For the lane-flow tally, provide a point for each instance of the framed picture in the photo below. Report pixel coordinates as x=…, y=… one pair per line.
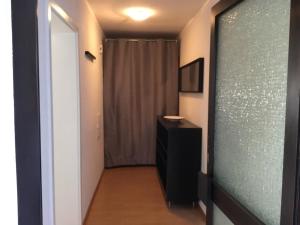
x=191, y=77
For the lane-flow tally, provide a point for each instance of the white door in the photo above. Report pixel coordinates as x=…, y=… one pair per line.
x=66, y=121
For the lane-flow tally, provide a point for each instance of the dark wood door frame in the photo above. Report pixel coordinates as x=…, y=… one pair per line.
x=290, y=202
x=290, y=209
x=27, y=111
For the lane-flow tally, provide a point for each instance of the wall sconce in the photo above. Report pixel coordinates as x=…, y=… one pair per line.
x=90, y=56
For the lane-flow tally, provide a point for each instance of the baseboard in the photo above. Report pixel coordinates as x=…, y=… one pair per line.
x=203, y=187
x=93, y=199
x=202, y=207
x=137, y=165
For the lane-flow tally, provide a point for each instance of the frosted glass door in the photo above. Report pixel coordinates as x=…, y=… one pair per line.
x=250, y=106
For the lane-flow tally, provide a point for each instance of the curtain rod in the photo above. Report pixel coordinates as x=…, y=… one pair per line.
x=136, y=40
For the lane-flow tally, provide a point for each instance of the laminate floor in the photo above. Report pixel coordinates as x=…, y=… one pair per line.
x=133, y=196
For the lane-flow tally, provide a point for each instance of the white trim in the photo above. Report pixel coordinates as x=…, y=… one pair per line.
x=63, y=16
x=45, y=7
x=70, y=23
x=46, y=113
x=55, y=8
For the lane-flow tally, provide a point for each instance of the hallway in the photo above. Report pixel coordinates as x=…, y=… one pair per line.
x=132, y=196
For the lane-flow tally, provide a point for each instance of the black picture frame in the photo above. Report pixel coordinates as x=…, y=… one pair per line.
x=290, y=213
x=201, y=76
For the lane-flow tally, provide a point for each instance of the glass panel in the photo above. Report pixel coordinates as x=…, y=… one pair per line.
x=251, y=91
x=220, y=218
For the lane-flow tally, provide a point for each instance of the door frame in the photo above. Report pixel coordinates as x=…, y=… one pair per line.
x=68, y=21
x=27, y=111
x=290, y=190
x=237, y=213
x=45, y=80
x=33, y=116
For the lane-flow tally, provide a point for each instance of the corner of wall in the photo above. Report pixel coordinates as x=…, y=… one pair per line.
x=195, y=43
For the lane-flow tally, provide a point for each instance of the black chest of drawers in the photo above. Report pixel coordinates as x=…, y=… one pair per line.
x=178, y=159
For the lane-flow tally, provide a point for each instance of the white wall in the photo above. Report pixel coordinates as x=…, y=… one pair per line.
x=92, y=156
x=8, y=194
x=195, y=43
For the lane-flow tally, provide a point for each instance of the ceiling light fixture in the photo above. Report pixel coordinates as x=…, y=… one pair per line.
x=139, y=13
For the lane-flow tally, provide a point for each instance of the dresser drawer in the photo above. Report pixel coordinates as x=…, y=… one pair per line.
x=162, y=169
x=161, y=149
x=162, y=135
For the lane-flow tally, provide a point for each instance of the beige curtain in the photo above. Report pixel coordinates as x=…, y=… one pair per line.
x=140, y=83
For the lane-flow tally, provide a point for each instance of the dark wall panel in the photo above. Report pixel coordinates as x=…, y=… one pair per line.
x=27, y=120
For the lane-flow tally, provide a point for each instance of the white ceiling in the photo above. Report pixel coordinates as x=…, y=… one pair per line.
x=171, y=16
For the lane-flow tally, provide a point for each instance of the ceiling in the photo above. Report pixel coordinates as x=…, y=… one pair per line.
x=170, y=18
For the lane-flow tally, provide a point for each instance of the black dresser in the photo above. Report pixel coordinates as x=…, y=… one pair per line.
x=178, y=159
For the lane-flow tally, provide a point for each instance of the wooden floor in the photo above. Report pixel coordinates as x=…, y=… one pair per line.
x=132, y=196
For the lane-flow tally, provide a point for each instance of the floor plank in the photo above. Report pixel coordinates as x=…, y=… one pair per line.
x=132, y=196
